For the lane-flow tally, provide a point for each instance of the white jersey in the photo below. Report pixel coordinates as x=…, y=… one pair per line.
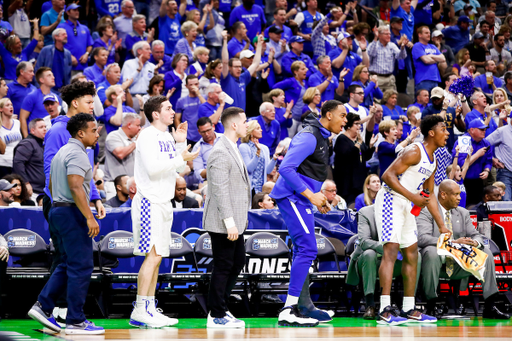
x=361, y=111
x=414, y=177
x=157, y=161
x=11, y=138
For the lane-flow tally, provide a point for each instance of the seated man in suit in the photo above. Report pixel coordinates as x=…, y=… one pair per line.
x=180, y=196
x=366, y=258
x=434, y=266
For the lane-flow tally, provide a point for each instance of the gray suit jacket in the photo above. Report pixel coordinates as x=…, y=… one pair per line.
x=368, y=240
x=428, y=231
x=229, y=189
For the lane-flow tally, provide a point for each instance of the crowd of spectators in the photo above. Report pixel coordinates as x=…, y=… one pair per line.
x=391, y=63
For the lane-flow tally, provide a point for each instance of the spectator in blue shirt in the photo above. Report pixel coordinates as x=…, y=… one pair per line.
x=32, y=106
x=240, y=40
x=208, y=139
x=79, y=37
x=187, y=108
x=123, y=22
x=21, y=87
x=169, y=24
x=108, y=40
x=271, y=129
x=57, y=58
x=481, y=161
x=51, y=19
x=113, y=77
x=479, y=102
x=12, y=53
x=108, y=7
x=187, y=45
x=405, y=9
x=138, y=34
x=161, y=61
x=369, y=84
x=343, y=58
x=213, y=107
x=113, y=115
x=392, y=111
x=457, y=36
x=283, y=112
x=96, y=73
x=305, y=20
x=423, y=13
x=325, y=81
x=174, y=78
x=233, y=80
x=296, y=54
x=488, y=84
x=280, y=21
x=386, y=149
x=426, y=59
x=251, y=15
x=422, y=99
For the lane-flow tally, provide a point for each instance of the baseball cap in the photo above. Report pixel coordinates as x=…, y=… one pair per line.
x=396, y=19
x=255, y=40
x=436, y=33
x=477, y=123
x=72, y=6
x=468, y=6
x=344, y=35
x=50, y=98
x=5, y=185
x=246, y=54
x=296, y=39
x=275, y=29
x=463, y=18
x=478, y=35
x=437, y=92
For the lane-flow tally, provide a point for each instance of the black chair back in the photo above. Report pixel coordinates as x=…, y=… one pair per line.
x=117, y=244
x=266, y=245
x=180, y=246
x=351, y=245
x=23, y=242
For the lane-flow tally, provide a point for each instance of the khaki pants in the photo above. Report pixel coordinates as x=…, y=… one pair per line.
x=386, y=83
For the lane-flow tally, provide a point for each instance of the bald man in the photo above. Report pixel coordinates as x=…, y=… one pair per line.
x=180, y=196
x=434, y=266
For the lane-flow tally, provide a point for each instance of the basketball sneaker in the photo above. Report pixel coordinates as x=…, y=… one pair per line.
x=223, y=322
x=46, y=319
x=415, y=315
x=322, y=316
x=389, y=317
x=240, y=322
x=158, y=313
x=142, y=318
x=290, y=316
x=84, y=328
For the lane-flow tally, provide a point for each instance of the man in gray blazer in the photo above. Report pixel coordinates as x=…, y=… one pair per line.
x=366, y=258
x=227, y=203
x=434, y=266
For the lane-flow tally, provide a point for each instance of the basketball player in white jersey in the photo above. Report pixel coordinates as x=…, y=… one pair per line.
x=411, y=172
x=158, y=158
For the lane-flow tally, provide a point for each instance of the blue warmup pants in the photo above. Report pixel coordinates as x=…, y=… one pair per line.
x=74, y=272
x=301, y=226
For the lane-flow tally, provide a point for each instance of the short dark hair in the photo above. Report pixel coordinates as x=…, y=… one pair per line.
x=33, y=123
x=22, y=66
x=79, y=122
x=202, y=121
x=117, y=180
x=97, y=51
x=177, y=58
x=353, y=87
x=77, y=90
x=189, y=77
x=497, y=36
x=488, y=190
x=40, y=71
x=508, y=76
x=447, y=76
x=351, y=119
x=484, y=22
x=329, y=106
x=428, y=123
x=229, y=114
x=153, y=104
x=420, y=90
x=103, y=27
x=279, y=9
x=236, y=26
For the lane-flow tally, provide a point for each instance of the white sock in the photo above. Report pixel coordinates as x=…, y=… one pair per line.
x=291, y=300
x=141, y=301
x=385, y=300
x=408, y=303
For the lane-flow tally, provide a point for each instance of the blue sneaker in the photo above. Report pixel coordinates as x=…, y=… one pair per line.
x=318, y=314
x=46, y=319
x=84, y=328
x=389, y=317
x=415, y=315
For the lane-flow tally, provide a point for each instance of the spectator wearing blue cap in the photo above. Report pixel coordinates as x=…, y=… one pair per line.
x=57, y=58
x=251, y=15
x=428, y=61
x=12, y=53
x=79, y=37
x=240, y=40
x=457, y=36
x=296, y=54
x=51, y=19
x=169, y=23
x=96, y=72
x=480, y=161
x=279, y=23
x=51, y=104
x=487, y=82
x=343, y=58
x=22, y=86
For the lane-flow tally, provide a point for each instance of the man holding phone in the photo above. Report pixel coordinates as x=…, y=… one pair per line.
x=480, y=162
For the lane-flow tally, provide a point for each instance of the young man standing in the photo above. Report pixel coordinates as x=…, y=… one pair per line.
x=303, y=171
x=158, y=158
x=412, y=171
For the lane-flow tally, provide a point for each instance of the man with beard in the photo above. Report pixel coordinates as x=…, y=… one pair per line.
x=500, y=56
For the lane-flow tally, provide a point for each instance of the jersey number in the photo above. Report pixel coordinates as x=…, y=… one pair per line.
x=113, y=8
x=421, y=183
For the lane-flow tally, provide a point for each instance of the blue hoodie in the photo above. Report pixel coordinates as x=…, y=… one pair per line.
x=54, y=139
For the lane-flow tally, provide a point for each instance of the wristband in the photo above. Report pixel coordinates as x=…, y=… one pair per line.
x=363, y=50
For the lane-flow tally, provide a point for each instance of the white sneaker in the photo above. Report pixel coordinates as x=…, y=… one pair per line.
x=330, y=312
x=223, y=322
x=239, y=322
x=157, y=312
x=141, y=318
x=291, y=317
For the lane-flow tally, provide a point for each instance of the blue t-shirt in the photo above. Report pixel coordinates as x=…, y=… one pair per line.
x=207, y=110
x=48, y=18
x=351, y=61
x=463, y=193
x=169, y=32
x=270, y=134
x=225, y=5
x=109, y=113
x=425, y=72
x=235, y=46
x=77, y=43
x=236, y=88
x=286, y=35
x=254, y=19
x=424, y=16
x=33, y=103
x=112, y=56
x=17, y=93
x=386, y=154
x=94, y=74
x=108, y=7
x=188, y=108
x=330, y=91
x=360, y=202
x=285, y=123
x=58, y=68
x=408, y=23
x=392, y=114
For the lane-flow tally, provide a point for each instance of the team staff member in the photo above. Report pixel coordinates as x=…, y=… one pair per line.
x=303, y=171
x=74, y=226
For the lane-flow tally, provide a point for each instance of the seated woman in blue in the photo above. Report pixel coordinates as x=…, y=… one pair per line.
x=361, y=77
x=294, y=89
x=175, y=79
x=311, y=101
x=201, y=56
x=391, y=110
x=370, y=189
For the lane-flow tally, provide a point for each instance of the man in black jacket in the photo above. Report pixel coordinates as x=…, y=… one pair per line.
x=180, y=196
x=28, y=156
